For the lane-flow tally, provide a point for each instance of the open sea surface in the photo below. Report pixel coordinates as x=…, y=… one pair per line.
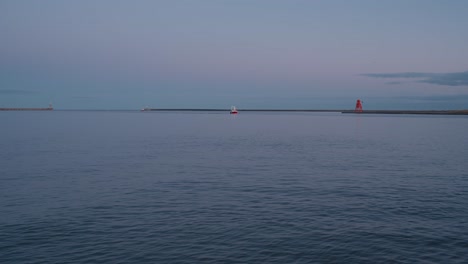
x=155, y=187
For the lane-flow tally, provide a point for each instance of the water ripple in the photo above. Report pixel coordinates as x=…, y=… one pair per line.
x=202, y=188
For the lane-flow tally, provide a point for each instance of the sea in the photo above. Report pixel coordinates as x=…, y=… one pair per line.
x=209, y=187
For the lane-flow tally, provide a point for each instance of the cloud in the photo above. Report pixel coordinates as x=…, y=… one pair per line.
x=449, y=79
x=84, y=97
x=12, y=91
x=399, y=75
x=455, y=97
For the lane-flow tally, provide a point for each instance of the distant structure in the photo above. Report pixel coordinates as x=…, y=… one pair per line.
x=50, y=108
x=358, y=108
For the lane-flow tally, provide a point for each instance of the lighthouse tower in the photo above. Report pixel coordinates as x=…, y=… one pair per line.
x=358, y=108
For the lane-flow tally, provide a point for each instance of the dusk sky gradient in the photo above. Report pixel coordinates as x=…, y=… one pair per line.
x=113, y=54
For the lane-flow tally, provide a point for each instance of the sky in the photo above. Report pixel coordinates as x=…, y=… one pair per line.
x=115, y=54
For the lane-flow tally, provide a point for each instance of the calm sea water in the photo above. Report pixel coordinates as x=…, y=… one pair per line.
x=133, y=187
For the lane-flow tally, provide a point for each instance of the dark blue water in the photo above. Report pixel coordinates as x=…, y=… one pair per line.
x=131, y=187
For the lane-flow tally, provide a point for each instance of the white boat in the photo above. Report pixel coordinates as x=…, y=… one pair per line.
x=233, y=110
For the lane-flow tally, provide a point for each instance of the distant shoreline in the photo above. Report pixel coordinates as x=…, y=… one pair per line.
x=25, y=109
x=343, y=111
x=243, y=110
x=411, y=112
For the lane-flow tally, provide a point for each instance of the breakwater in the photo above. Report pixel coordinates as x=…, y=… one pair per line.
x=26, y=109
x=409, y=112
x=394, y=112
x=243, y=110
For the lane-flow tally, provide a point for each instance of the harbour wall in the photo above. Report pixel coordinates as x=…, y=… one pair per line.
x=394, y=112
x=26, y=109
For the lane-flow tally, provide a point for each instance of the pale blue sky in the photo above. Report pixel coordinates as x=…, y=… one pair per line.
x=114, y=54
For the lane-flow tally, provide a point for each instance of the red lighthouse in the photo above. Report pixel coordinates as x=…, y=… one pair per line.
x=358, y=108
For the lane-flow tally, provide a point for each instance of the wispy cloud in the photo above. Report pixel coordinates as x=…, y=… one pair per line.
x=449, y=79
x=14, y=91
x=393, y=83
x=84, y=97
x=455, y=97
